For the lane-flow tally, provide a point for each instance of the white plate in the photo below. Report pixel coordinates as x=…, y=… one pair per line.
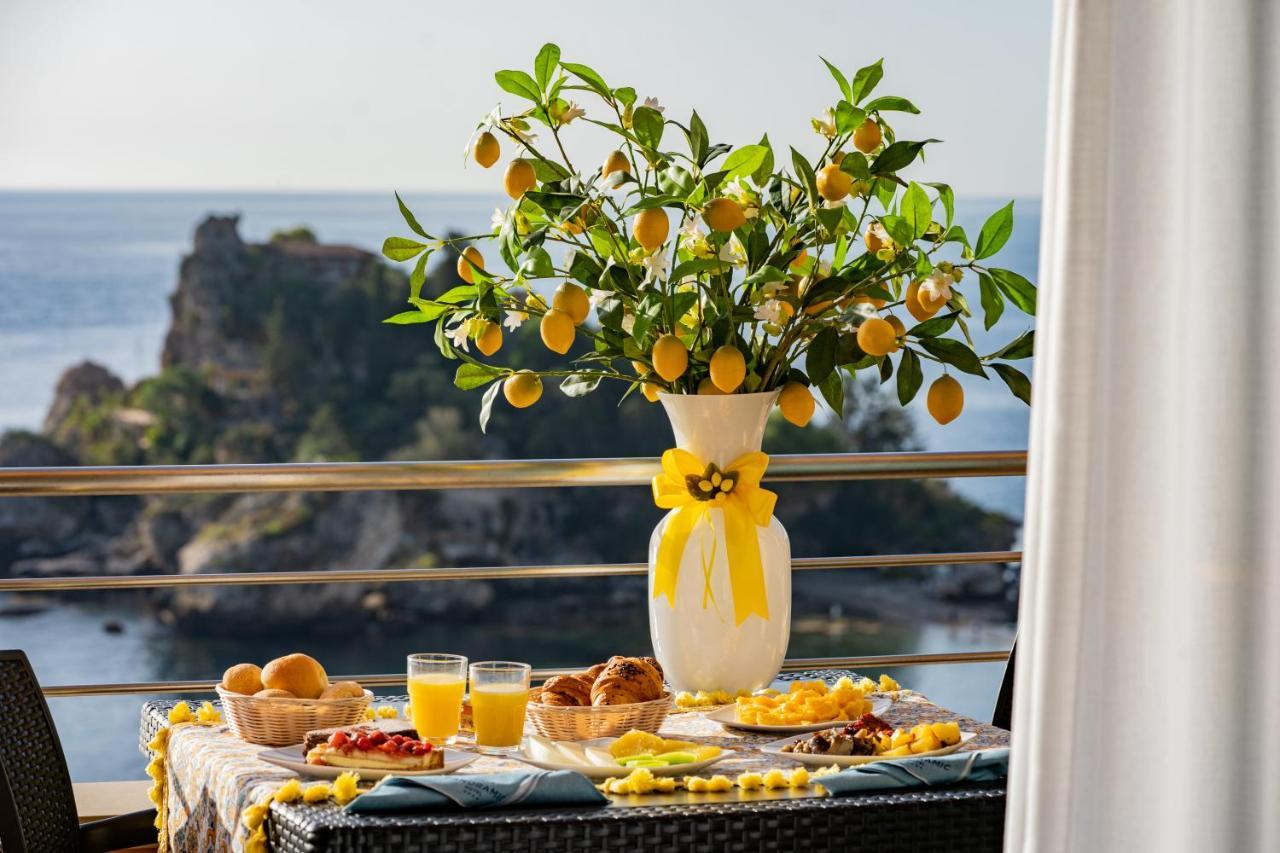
x=775, y=748
x=728, y=717
x=603, y=771
x=291, y=757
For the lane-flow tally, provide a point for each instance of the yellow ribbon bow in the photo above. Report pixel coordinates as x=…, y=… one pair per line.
x=693, y=489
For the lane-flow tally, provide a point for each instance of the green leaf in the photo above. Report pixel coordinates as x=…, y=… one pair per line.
x=472, y=375
x=805, y=172
x=458, y=295
x=841, y=80
x=848, y=117
x=580, y=385
x=821, y=358
x=992, y=301
x=954, y=353
x=1018, y=290
x=909, y=376
x=744, y=161
x=625, y=94
x=588, y=76
x=1017, y=381
x=832, y=389
x=899, y=229
x=1020, y=347
x=948, y=199
x=537, y=264
x=865, y=80
x=675, y=181
x=519, y=83
x=410, y=220
x=401, y=248
x=418, y=276
x=698, y=139
x=545, y=64
x=891, y=103
x=407, y=318
x=430, y=308
x=933, y=327
x=647, y=124
x=917, y=210
x=897, y=156
x=995, y=232
x=486, y=404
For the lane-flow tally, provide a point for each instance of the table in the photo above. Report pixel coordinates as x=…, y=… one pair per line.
x=213, y=776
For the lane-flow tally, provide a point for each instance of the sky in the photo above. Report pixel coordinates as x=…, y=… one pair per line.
x=321, y=95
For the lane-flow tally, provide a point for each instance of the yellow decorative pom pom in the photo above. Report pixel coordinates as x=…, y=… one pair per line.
x=719, y=784
x=155, y=793
x=180, y=713
x=684, y=699
x=160, y=742
x=254, y=815
x=317, y=793
x=345, y=787
x=775, y=778
x=619, y=786
x=368, y=713
x=155, y=768
x=640, y=781
x=207, y=715
x=696, y=784
x=665, y=784
x=387, y=712
x=829, y=770
x=257, y=843
x=750, y=781
x=799, y=778
x=288, y=792
x=888, y=685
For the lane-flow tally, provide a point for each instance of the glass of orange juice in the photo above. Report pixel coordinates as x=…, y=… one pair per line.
x=436, y=685
x=499, y=694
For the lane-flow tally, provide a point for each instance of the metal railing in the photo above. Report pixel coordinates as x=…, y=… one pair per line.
x=487, y=474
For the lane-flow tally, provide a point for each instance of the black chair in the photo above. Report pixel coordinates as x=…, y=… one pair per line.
x=37, y=806
x=1003, y=715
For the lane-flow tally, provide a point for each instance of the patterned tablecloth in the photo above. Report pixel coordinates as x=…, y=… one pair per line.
x=213, y=776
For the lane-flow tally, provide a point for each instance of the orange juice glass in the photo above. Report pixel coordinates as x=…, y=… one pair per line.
x=436, y=685
x=499, y=694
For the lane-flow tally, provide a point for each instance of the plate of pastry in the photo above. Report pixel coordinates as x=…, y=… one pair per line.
x=870, y=739
x=373, y=750
x=805, y=706
x=601, y=758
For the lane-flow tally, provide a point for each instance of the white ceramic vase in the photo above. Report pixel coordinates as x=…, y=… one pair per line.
x=696, y=640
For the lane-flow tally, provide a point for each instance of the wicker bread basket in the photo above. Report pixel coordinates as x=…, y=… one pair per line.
x=584, y=722
x=283, y=722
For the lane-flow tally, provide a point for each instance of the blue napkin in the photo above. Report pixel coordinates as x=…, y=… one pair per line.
x=979, y=766
x=490, y=791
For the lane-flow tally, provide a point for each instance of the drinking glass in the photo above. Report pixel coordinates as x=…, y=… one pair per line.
x=436, y=684
x=499, y=694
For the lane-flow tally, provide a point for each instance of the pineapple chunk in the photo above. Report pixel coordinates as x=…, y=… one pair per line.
x=925, y=743
x=636, y=742
x=704, y=753
x=901, y=750
x=947, y=733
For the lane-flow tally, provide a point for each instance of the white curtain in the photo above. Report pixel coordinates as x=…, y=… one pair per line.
x=1147, y=701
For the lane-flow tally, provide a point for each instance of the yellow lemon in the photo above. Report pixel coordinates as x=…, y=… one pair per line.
x=486, y=150
x=572, y=300
x=708, y=388
x=615, y=162
x=933, y=306
x=796, y=403
x=876, y=337
x=898, y=331
x=723, y=214
x=471, y=256
x=519, y=178
x=798, y=260
x=867, y=137
x=650, y=391
x=873, y=241
x=557, y=331
x=535, y=301
x=651, y=227
x=834, y=184
x=489, y=337
x=522, y=389
x=945, y=400
x=639, y=367
x=914, y=306
x=670, y=358
x=728, y=368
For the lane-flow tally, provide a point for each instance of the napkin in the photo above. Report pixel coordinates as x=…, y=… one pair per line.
x=489, y=791
x=978, y=766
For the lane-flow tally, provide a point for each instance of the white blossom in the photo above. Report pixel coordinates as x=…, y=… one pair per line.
x=628, y=322
x=460, y=334
x=657, y=266
x=514, y=319
x=937, y=286
x=826, y=125
x=498, y=219
x=571, y=112
x=595, y=297
x=652, y=103
x=770, y=311
x=733, y=252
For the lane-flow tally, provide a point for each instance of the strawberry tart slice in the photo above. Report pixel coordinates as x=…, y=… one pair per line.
x=375, y=750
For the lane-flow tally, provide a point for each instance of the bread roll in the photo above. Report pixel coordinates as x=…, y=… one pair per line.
x=301, y=675
x=243, y=678
x=343, y=690
x=272, y=693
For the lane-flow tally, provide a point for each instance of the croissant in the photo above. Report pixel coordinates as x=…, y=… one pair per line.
x=567, y=691
x=594, y=671
x=626, y=680
x=653, y=662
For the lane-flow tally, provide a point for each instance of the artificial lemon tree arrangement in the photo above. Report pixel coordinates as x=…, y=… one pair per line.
x=722, y=279
x=714, y=269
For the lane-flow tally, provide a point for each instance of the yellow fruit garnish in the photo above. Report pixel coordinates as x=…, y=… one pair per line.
x=557, y=331
x=650, y=228
x=522, y=389
x=670, y=358
x=728, y=368
x=724, y=215
x=468, y=261
x=486, y=150
x=945, y=399
x=519, y=178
